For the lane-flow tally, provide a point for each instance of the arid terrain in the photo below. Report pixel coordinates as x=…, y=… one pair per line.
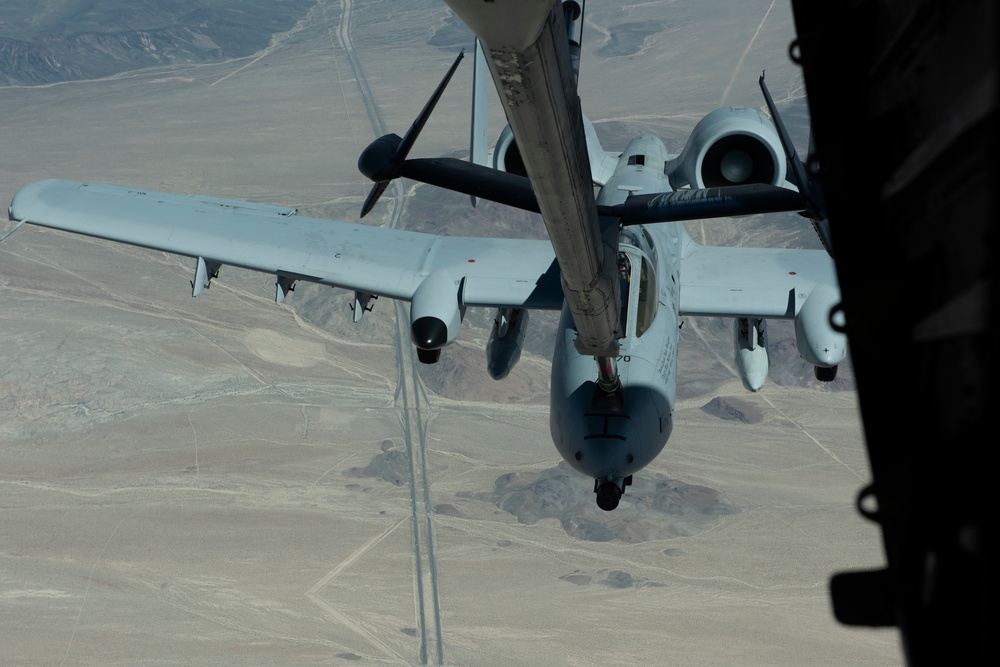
x=223, y=480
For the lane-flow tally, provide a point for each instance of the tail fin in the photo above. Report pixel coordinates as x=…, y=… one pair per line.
x=480, y=79
x=810, y=190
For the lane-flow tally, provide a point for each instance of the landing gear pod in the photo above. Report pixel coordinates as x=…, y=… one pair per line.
x=435, y=314
x=825, y=374
x=610, y=490
x=750, y=344
x=818, y=342
x=504, y=346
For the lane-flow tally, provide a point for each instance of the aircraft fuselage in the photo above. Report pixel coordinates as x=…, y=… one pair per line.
x=611, y=436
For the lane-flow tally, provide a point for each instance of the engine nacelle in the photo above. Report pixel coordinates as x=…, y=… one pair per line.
x=507, y=156
x=818, y=342
x=731, y=146
x=750, y=346
x=504, y=346
x=435, y=314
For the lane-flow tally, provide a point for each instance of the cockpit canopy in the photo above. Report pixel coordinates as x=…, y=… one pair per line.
x=637, y=285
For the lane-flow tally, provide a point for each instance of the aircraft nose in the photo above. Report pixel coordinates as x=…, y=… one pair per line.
x=597, y=455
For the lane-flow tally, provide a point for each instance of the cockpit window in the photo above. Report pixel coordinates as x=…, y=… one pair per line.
x=647, y=299
x=625, y=289
x=637, y=284
x=629, y=236
x=651, y=247
x=637, y=159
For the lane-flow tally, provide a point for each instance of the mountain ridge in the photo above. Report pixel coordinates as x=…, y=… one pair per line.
x=109, y=37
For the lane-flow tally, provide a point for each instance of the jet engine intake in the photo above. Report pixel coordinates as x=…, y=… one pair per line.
x=731, y=146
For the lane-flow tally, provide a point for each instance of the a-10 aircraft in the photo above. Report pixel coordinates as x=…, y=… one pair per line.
x=619, y=265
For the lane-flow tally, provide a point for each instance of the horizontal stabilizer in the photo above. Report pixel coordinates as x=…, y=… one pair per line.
x=726, y=201
x=474, y=180
x=513, y=190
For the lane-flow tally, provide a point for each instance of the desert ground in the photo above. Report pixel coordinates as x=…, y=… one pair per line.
x=223, y=480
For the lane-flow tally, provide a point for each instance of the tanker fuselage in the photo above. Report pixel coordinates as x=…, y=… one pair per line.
x=529, y=57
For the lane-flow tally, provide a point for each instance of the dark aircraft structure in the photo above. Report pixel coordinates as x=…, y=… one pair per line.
x=913, y=231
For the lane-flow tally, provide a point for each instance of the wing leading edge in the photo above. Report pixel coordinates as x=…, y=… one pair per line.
x=271, y=239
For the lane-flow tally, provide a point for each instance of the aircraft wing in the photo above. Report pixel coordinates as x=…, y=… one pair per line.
x=272, y=239
x=753, y=282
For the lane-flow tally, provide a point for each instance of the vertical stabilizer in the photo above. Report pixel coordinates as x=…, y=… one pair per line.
x=480, y=78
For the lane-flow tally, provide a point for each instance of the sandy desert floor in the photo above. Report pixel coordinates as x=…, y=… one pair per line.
x=222, y=480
